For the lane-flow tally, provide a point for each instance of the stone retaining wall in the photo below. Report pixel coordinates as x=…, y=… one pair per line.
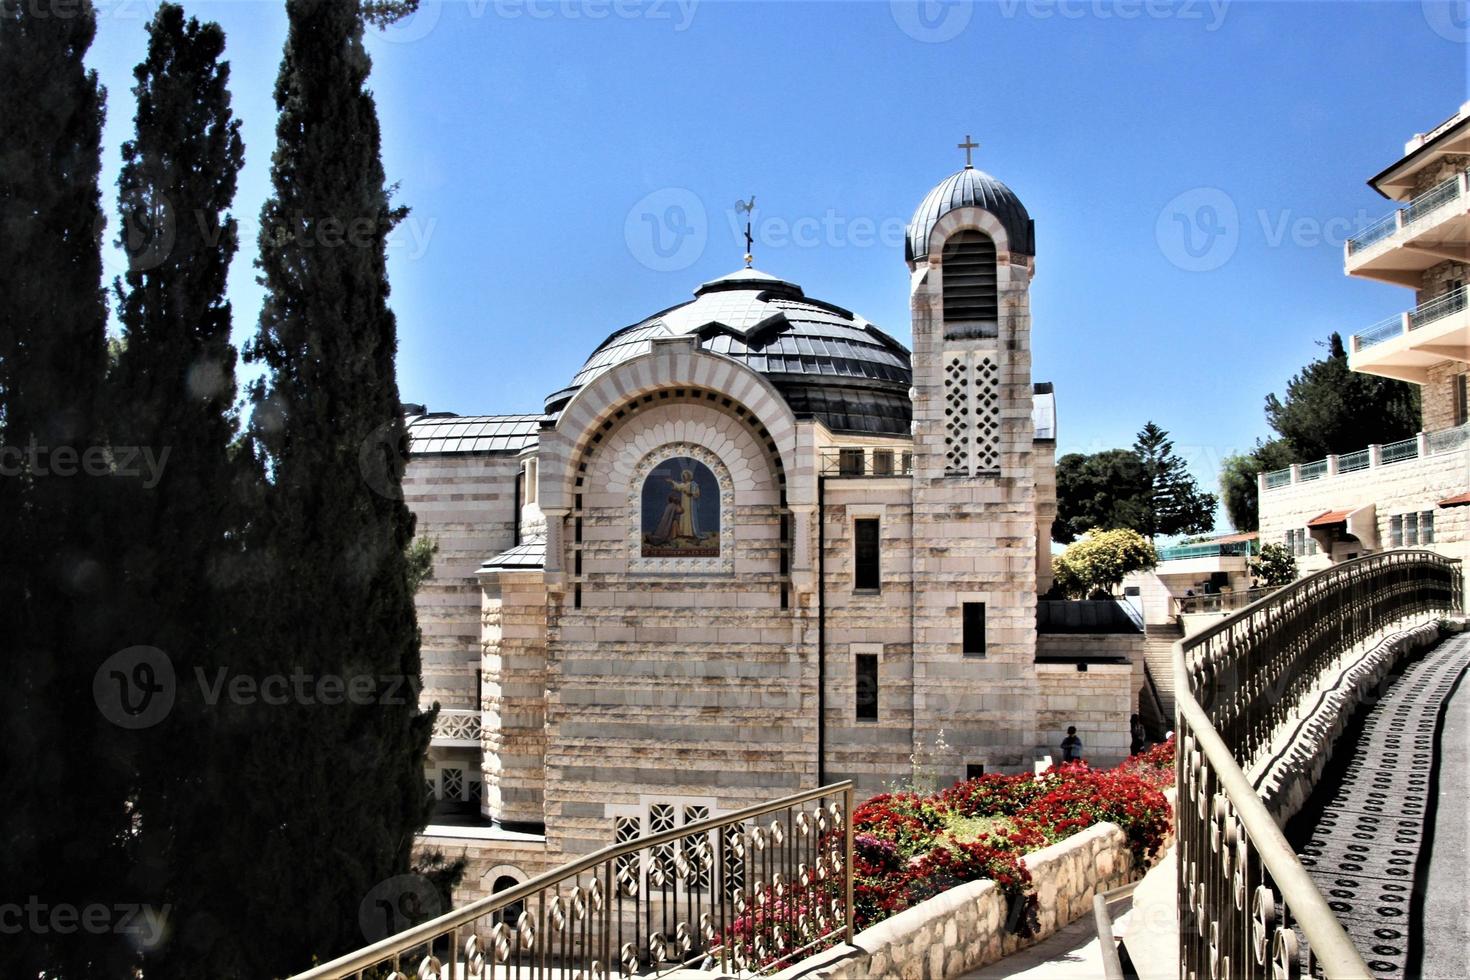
x=965, y=927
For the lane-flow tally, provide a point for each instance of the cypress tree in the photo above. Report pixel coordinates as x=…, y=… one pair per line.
x=1176, y=504
x=172, y=390
x=335, y=781
x=64, y=821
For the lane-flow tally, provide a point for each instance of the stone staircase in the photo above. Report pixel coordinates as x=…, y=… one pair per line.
x=1158, y=657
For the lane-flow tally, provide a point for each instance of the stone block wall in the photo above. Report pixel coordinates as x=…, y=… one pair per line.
x=466, y=503
x=514, y=696
x=1413, y=485
x=1098, y=701
x=966, y=927
x=1438, y=393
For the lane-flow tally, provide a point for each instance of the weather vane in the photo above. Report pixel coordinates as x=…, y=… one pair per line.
x=967, y=146
x=745, y=207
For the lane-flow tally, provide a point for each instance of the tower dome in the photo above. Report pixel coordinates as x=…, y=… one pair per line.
x=971, y=188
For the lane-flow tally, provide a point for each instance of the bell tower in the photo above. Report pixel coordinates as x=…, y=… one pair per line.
x=971, y=254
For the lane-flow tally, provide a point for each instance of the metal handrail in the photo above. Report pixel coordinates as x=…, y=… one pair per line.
x=1437, y=308
x=866, y=461
x=1421, y=206
x=829, y=873
x=1243, y=891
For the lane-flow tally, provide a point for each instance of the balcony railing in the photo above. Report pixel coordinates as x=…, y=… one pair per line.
x=741, y=893
x=1243, y=893
x=866, y=461
x=1206, y=549
x=1219, y=601
x=1424, y=444
x=1422, y=315
x=457, y=726
x=1419, y=208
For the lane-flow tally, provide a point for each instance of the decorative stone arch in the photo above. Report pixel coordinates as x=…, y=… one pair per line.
x=961, y=219
x=676, y=363
x=491, y=876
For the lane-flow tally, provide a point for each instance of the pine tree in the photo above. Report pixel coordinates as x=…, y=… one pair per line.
x=173, y=389
x=339, y=785
x=64, y=819
x=1176, y=505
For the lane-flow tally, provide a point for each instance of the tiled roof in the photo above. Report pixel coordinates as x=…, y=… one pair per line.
x=1459, y=500
x=429, y=434
x=527, y=555
x=1330, y=518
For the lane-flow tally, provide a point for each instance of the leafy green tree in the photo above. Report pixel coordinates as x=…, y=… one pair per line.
x=1274, y=566
x=334, y=532
x=1330, y=408
x=64, y=765
x=1100, y=560
x=1239, y=487
x=1099, y=490
x=172, y=388
x=1175, y=504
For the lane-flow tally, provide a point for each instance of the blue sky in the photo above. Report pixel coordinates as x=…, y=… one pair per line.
x=543, y=144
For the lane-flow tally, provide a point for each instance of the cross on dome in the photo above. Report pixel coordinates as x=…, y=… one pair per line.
x=967, y=146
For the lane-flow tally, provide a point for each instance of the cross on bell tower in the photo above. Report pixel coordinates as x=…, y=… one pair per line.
x=967, y=146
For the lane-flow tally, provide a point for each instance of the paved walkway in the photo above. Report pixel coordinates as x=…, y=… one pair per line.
x=1070, y=953
x=1392, y=797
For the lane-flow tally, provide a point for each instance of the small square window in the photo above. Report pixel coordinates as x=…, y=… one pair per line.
x=974, y=770
x=850, y=462
x=883, y=462
x=974, y=629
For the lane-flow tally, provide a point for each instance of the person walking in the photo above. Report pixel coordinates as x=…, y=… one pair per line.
x=1135, y=728
x=1071, y=746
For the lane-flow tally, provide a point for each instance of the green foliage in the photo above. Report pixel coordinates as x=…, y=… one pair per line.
x=1175, y=504
x=420, y=561
x=1239, y=486
x=1099, y=561
x=334, y=532
x=1330, y=408
x=1148, y=489
x=1274, y=566
x=66, y=767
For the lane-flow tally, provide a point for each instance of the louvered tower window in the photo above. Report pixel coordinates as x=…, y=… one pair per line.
x=970, y=281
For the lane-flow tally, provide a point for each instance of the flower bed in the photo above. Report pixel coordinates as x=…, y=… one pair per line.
x=909, y=847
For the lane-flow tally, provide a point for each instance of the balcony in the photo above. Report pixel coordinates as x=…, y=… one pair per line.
x=1423, y=446
x=1408, y=345
x=1431, y=228
x=872, y=462
x=457, y=728
x=1206, y=549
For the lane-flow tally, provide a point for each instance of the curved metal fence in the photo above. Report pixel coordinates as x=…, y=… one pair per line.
x=743, y=893
x=1243, y=894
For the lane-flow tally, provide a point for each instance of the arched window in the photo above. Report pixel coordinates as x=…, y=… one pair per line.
x=970, y=296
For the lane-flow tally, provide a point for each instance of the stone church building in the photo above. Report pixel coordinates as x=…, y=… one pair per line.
x=754, y=546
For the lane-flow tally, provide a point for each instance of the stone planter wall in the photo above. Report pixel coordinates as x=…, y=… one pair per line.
x=965, y=927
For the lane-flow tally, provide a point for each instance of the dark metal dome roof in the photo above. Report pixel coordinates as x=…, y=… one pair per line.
x=828, y=363
x=971, y=188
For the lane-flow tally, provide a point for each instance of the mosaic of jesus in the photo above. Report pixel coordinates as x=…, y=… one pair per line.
x=681, y=510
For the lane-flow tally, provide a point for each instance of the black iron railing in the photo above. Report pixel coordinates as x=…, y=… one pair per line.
x=743, y=893
x=1243, y=894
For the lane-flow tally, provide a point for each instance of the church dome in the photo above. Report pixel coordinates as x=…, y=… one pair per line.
x=971, y=188
x=827, y=362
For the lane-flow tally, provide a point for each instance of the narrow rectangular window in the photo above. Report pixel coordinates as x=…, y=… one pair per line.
x=866, y=688
x=908, y=463
x=867, y=555
x=1462, y=399
x=883, y=462
x=1396, y=531
x=1426, y=527
x=974, y=628
x=1411, y=530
